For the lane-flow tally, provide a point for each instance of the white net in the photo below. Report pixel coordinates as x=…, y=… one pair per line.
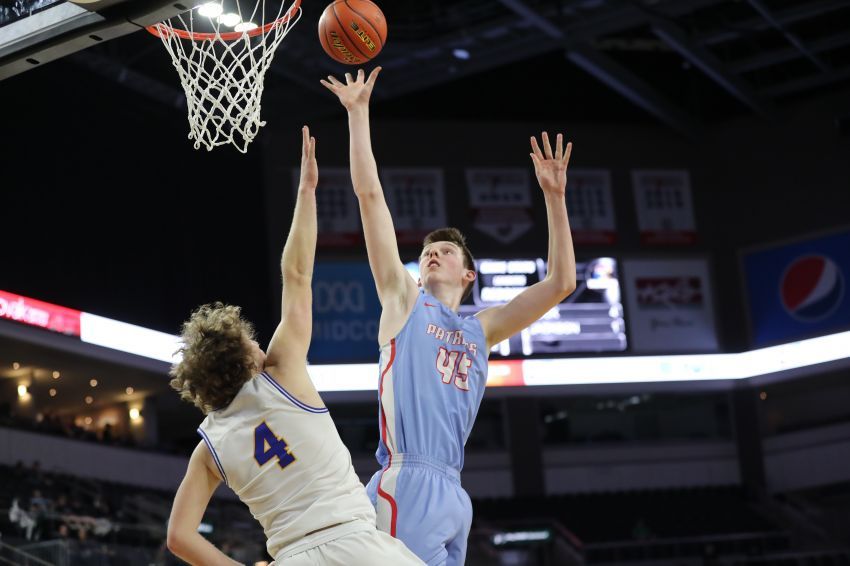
x=222, y=64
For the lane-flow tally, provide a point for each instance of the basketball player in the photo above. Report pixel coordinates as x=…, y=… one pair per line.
x=433, y=363
x=267, y=434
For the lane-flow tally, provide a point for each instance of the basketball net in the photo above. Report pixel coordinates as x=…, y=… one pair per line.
x=222, y=71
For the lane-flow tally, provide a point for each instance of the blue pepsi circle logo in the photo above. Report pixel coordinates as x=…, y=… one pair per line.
x=811, y=288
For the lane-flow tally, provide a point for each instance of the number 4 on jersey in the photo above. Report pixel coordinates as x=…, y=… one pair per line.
x=277, y=448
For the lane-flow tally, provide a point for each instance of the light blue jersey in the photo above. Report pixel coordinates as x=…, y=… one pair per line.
x=432, y=380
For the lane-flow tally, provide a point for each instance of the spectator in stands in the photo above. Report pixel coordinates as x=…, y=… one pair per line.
x=24, y=520
x=39, y=502
x=83, y=551
x=61, y=506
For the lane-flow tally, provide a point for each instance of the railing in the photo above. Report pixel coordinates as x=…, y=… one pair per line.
x=19, y=557
x=91, y=553
x=114, y=532
x=548, y=543
x=809, y=558
x=708, y=547
x=544, y=542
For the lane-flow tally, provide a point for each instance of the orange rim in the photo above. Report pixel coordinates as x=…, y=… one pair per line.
x=163, y=29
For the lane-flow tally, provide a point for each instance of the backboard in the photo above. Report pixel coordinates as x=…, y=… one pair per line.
x=35, y=32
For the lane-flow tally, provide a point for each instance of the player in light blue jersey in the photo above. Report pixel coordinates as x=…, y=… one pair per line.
x=433, y=364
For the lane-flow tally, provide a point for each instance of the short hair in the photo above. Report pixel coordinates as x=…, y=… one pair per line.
x=456, y=237
x=216, y=357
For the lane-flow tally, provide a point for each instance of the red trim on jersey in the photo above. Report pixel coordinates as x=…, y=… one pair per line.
x=381, y=492
x=381, y=395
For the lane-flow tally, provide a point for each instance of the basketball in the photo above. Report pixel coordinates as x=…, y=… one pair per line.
x=352, y=31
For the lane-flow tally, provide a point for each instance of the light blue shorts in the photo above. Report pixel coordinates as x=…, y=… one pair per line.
x=421, y=502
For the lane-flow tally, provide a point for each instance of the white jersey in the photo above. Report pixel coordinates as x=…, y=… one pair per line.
x=286, y=462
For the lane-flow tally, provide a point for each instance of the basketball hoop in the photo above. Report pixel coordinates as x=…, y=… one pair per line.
x=222, y=71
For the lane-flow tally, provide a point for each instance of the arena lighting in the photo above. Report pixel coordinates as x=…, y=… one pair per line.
x=205, y=528
x=135, y=414
x=210, y=9
x=128, y=338
x=534, y=372
x=620, y=369
x=245, y=26
x=521, y=536
x=230, y=19
x=22, y=391
x=461, y=54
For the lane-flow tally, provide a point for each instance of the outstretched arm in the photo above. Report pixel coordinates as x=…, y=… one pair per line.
x=188, y=509
x=287, y=352
x=504, y=321
x=396, y=288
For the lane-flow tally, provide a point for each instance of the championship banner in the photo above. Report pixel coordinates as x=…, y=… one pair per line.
x=500, y=201
x=799, y=289
x=590, y=205
x=670, y=305
x=416, y=200
x=337, y=208
x=346, y=312
x=665, y=210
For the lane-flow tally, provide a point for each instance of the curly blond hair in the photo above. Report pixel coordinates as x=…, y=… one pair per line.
x=216, y=357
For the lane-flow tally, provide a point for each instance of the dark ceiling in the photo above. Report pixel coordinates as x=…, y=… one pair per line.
x=683, y=63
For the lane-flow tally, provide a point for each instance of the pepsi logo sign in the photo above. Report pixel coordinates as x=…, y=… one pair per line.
x=811, y=288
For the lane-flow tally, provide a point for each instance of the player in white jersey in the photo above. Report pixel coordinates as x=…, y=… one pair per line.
x=267, y=434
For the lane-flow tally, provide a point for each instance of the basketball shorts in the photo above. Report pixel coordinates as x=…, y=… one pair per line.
x=421, y=502
x=353, y=544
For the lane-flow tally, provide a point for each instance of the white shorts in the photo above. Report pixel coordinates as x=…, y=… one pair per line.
x=364, y=545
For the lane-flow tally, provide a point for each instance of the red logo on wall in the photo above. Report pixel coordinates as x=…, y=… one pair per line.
x=40, y=314
x=658, y=292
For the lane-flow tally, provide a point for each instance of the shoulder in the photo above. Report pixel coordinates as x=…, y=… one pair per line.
x=395, y=314
x=294, y=385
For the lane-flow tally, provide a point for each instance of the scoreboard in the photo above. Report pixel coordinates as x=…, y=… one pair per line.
x=589, y=320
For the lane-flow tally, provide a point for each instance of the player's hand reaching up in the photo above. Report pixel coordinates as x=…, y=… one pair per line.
x=551, y=169
x=309, y=167
x=356, y=91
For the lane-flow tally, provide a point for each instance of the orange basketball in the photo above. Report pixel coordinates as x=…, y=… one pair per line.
x=352, y=31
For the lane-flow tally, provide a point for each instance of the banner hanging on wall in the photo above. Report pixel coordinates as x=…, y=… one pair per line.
x=337, y=209
x=500, y=202
x=665, y=210
x=590, y=205
x=671, y=308
x=416, y=199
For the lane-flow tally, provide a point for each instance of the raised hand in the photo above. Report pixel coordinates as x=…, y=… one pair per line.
x=309, y=167
x=356, y=91
x=551, y=169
